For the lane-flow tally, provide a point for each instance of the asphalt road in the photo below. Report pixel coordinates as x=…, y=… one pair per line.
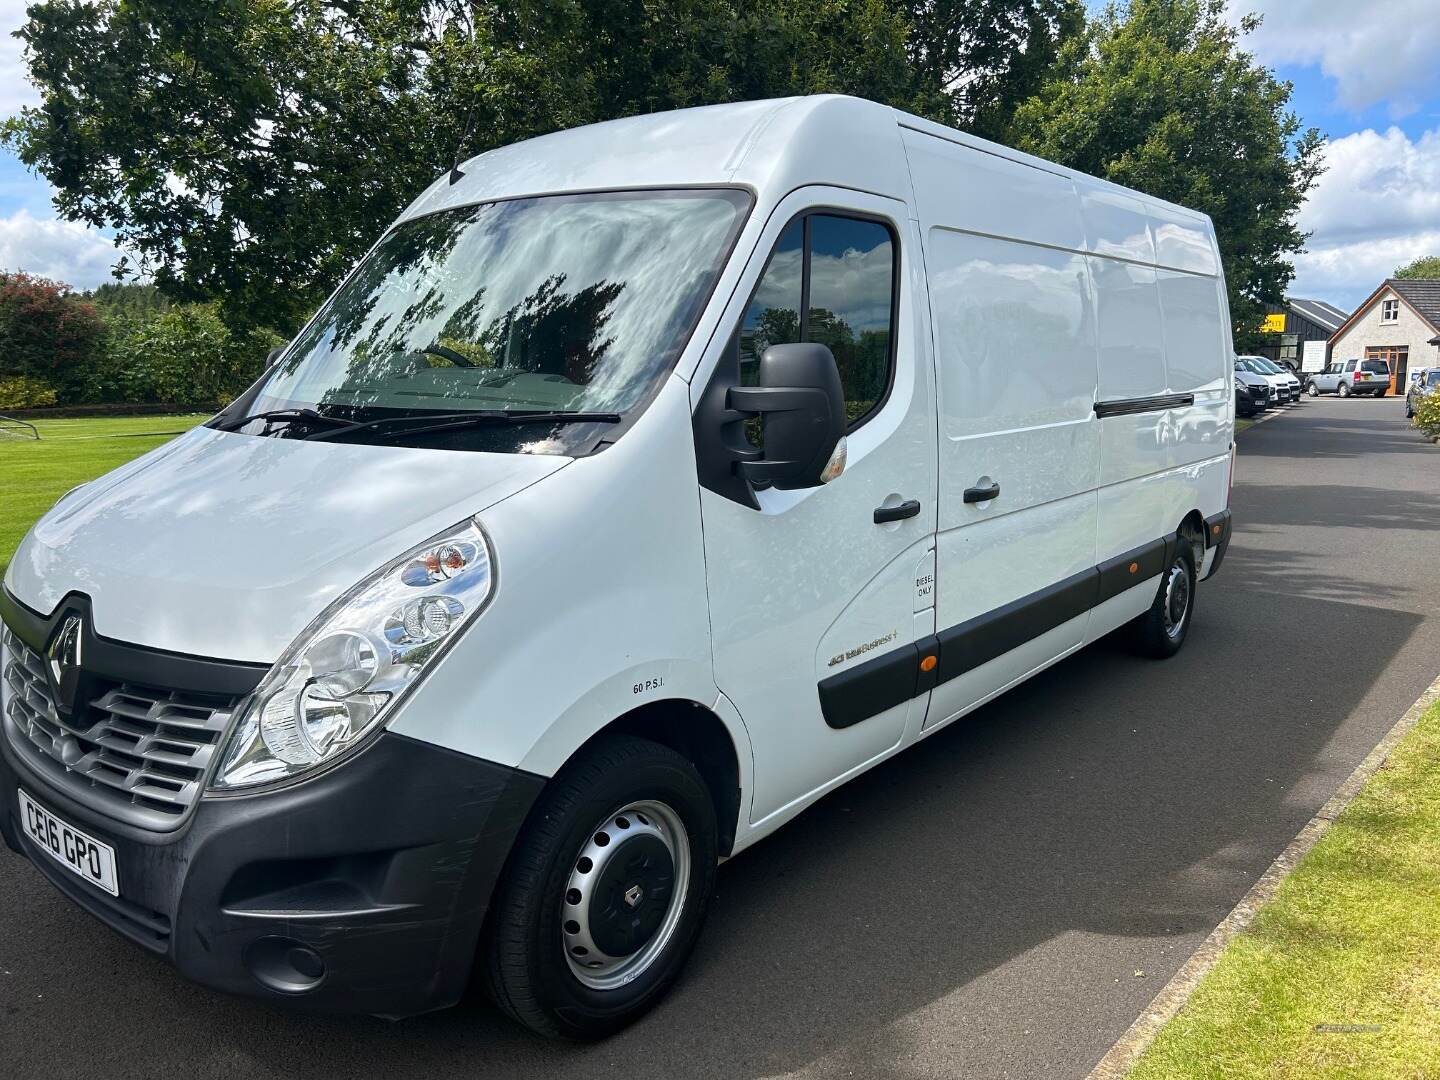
x=1001, y=901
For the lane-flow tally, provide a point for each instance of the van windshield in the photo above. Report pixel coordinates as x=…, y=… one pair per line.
x=547, y=306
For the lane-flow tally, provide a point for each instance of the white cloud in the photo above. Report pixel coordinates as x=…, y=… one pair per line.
x=15, y=88
x=63, y=250
x=1380, y=52
x=1376, y=207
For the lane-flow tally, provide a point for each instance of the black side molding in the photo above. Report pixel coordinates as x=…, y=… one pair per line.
x=905, y=672
x=1127, y=406
x=977, y=641
x=870, y=688
x=1217, y=535
x=1133, y=567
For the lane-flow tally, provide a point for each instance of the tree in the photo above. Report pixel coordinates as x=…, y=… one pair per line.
x=1160, y=96
x=125, y=299
x=248, y=151
x=48, y=333
x=990, y=55
x=186, y=355
x=1427, y=266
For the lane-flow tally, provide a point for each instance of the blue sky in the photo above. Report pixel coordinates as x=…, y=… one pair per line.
x=1366, y=74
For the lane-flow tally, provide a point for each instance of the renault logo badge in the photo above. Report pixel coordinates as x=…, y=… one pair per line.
x=63, y=661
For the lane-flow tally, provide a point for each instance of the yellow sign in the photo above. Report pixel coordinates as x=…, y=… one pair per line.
x=1273, y=324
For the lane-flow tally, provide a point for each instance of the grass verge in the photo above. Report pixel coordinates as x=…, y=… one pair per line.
x=1339, y=975
x=34, y=474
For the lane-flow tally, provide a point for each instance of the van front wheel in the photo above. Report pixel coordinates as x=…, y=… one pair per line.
x=1161, y=631
x=605, y=892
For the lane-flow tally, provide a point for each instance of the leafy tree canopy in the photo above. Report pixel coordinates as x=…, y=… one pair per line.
x=48, y=333
x=1427, y=266
x=127, y=299
x=248, y=151
x=1160, y=96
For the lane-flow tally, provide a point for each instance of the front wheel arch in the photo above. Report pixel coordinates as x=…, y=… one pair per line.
x=695, y=733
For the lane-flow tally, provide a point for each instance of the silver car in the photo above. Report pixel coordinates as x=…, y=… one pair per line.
x=1354, y=376
x=1428, y=382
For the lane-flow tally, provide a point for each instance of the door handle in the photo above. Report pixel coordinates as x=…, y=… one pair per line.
x=983, y=494
x=907, y=509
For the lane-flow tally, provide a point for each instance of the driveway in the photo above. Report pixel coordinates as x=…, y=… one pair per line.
x=1001, y=901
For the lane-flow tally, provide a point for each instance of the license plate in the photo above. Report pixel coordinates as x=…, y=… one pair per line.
x=78, y=852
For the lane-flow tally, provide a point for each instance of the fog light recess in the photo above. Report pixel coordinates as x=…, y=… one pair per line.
x=285, y=966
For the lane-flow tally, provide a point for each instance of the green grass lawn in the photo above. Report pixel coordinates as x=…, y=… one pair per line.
x=1339, y=975
x=34, y=474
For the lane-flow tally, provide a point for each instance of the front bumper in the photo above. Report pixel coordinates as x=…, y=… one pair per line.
x=362, y=890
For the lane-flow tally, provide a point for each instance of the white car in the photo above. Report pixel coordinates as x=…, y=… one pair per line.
x=644, y=482
x=1284, y=385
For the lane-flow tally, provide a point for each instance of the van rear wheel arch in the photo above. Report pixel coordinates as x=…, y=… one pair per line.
x=1192, y=529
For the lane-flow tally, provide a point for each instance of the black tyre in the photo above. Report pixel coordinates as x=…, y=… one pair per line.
x=605, y=892
x=1161, y=631
x=1312, y=389
x=1344, y=390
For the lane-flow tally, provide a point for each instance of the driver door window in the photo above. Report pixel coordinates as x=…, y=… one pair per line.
x=831, y=279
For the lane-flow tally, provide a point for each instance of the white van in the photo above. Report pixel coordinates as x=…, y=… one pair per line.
x=642, y=484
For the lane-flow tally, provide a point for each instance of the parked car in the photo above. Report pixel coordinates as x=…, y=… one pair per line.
x=1284, y=388
x=1353, y=376
x=1252, y=393
x=539, y=573
x=1427, y=383
x=1275, y=367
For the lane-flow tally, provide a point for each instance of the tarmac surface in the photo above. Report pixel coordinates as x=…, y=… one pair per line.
x=1001, y=901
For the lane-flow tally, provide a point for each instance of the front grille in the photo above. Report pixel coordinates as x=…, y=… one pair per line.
x=134, y=752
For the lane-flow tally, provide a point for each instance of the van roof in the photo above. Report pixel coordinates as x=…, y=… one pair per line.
x=769, y=146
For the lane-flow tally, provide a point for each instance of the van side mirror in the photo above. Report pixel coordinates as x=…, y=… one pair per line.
x=274, y=355
x=802, y=408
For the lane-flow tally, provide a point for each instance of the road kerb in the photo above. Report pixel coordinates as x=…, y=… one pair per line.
x=1121, y=1057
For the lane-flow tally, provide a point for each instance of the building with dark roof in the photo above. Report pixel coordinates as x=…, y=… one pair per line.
x=1398, y=323
x=1295, y=322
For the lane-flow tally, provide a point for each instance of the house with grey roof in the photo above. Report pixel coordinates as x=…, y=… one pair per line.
x=1295, y=322
x=1399, y=323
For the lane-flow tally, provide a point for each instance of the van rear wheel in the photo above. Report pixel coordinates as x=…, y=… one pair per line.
x=605, y=893
x=1161, y=631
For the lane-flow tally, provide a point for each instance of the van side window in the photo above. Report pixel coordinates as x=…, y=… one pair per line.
x=773, y=317
x=851, y=289
x=846, y=268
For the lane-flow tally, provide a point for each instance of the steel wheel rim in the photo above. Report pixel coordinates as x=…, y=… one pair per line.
x=1176, y=607
x=598, y=862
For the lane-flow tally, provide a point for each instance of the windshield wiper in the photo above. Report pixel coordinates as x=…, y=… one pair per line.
x=455, y=421
x=291, y=415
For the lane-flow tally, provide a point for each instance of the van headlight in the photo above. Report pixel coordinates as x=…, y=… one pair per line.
x=349, y=668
